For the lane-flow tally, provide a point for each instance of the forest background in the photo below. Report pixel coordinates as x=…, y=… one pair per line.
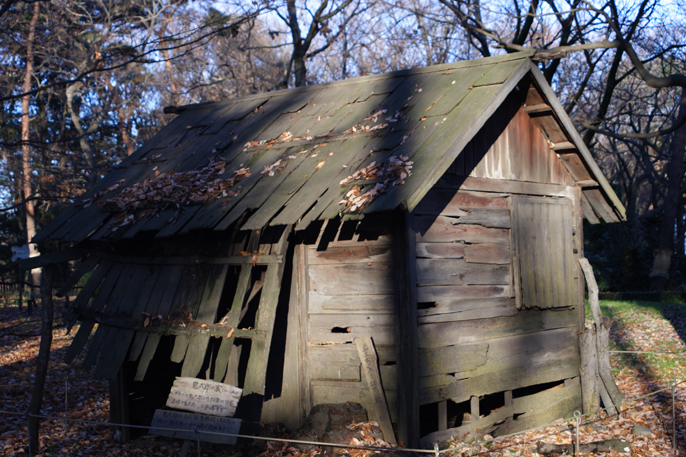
x=84, y=83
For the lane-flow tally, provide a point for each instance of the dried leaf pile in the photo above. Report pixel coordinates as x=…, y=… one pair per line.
x=390, y=172
x=168, y=190
x=646, y=328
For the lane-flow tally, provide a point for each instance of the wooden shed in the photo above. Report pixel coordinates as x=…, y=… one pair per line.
x=428, y=218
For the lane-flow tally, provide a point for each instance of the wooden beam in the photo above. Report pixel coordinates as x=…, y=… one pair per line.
x=406, y=335
x=587, y=183
x=301, y=283
x=563, y=146
x=474, y=408
x=476, y=428
x=255, y=376
x=538, y=109
x=370, y=366
x=443, y=415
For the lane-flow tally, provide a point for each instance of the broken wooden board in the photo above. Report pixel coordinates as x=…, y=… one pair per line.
x=472, y=430
x=542, y=408
x=202, y=396
x=189, y=426
x=589, y=372
x=370, y=361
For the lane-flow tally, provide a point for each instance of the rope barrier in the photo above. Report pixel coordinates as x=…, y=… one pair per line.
x=649, y=352
x=434, y=451
x=578, y=417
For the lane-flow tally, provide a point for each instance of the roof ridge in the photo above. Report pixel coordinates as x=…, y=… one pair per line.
x=359, y=79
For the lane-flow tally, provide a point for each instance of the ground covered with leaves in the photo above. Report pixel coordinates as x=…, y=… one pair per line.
x=650, y=335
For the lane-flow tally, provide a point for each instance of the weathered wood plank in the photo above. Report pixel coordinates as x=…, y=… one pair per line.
x=353, y=279
x=498, y=254
x=330, y=322
x=589, y=372
x=354, y=254
x=542, y=408
x=384, y=335
x=158, y=288
x=457, y=272
x=146, y=356
x=446, y=294
x=452, y=359
x=374, y=304
x=269, y=299
x=301, y=286
x=524, y=371
x=130, y=276
x=451, y=202
x=503, y=353
x=469, y=431
x=406, y=328
x=527, y=321
x=427, y=382
x=452, y=310
x=486, y=217
x=604, y=369
x=180, y=348
x=101, y=271
x=207, y=313
x=442, y=229
x=346, y=354
x=132, y=304
x=500, y=186
x=98, y=303
x=322, y=179
x=370, y=367
x=441, y=250
x=267, y=186
x=336, y=373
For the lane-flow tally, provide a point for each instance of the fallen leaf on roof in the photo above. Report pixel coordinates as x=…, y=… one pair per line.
x=390, y=172
x=168, y=190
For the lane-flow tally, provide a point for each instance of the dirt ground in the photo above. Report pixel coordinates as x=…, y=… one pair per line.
x=72, y=393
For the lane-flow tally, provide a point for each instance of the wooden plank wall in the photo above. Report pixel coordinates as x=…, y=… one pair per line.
x=473, y=341
x=351, y=294
x=521, y=153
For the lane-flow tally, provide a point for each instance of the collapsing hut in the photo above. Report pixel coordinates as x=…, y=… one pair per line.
x=264, y=241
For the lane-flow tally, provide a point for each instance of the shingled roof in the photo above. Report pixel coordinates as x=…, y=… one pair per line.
x=290, y=156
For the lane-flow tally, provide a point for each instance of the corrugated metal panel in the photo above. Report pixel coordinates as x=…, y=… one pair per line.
x=543, y=245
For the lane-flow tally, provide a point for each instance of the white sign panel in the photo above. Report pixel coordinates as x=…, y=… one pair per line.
x=205, y=397
x=188, y=426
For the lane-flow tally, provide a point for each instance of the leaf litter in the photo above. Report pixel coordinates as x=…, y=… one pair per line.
x=639, y=329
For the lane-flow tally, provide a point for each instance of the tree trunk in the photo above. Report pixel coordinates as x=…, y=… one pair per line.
x=26, y=149
x=663, y=255
x=42, y=359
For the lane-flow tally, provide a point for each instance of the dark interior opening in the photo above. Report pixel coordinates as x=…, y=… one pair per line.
x=228, y=292
x=252, y=300
x=530, y=390
x=144, y=397
x=340, y=330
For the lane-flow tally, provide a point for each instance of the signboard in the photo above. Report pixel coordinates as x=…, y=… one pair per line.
x=189, y=426
x=205, y=397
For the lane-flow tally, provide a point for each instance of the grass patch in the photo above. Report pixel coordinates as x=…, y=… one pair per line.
x=654, y=331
